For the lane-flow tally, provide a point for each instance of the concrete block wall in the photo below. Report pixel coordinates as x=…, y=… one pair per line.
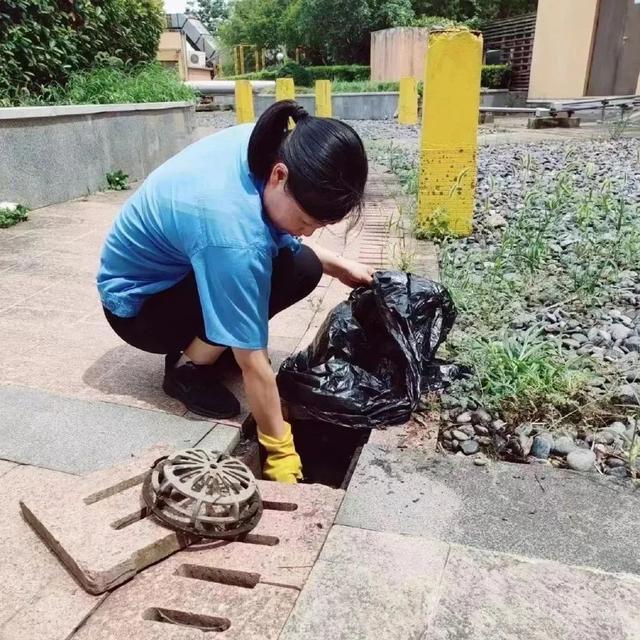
x=54, y=154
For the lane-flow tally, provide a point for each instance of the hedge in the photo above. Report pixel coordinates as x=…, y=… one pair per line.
x=494, y=76
x=342, y=73
x=43, y=42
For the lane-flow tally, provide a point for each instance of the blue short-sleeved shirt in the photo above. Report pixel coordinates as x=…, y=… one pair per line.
x=202, y=211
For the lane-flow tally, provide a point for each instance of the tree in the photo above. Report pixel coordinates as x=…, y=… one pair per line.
x=257, y=22
x=210, y=12
x=482, y=10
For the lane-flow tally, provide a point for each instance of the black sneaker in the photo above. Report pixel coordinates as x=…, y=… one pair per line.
x=197, y=388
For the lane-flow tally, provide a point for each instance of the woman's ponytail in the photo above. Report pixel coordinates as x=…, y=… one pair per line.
x=325, y=158
x=269, y=133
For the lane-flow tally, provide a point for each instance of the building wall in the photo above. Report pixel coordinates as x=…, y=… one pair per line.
x=398, y=53
x=562, y=48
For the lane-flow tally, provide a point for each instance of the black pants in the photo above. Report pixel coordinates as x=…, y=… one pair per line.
x=169, y=321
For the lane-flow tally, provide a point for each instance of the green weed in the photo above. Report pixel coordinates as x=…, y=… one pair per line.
x=117, y=180
x=10, y=215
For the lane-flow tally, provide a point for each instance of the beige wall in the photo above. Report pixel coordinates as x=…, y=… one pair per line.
x=171, y=51
x=398, y=53
x=562, y=48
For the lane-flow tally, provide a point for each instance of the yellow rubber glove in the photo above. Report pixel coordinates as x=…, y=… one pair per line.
x=282, y=463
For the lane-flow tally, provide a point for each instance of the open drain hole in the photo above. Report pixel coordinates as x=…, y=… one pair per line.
x=221, y=576
x=279, y=506
x=113, y=490
x=187, y=619
x=329, y=453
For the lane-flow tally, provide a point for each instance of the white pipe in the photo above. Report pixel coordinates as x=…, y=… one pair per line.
x=226, y=87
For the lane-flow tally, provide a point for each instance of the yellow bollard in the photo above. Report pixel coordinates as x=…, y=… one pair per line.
x=408, y=102
x=323, y=99
x=244, y=102
x=450, y=110
x=285, y=89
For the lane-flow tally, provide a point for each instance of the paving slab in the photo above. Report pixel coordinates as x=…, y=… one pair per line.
x=101, y=529
x=38, y=597
x=251, y=586
x=490, y=595
x=529, y=510
x=368, y=585
x=79, y=436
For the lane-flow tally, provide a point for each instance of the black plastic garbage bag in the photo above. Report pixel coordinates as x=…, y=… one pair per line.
x=373, y=356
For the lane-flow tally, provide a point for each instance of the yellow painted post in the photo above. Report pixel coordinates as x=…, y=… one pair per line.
x=408, y=102
x=241, y=59
x=323, y=99
x=285, y=89
x=450, y=110
x=244, y=102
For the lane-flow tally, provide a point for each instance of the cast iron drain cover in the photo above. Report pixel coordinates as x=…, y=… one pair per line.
x=203, y=493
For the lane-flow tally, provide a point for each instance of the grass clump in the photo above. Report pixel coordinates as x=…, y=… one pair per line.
x=11, y=214
x=121, y=84
x=117, y=180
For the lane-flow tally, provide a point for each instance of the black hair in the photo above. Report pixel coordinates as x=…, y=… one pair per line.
x=326, y=160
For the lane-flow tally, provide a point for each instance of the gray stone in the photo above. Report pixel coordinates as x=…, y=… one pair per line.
x=618, y=428
x=469, y=447
x=616, y=462
x=480, y=417
x=541, y=447
x=564, y=445
x=468, y=429
x=464, y=418
x=447, y=435
x=480, y=462
x=580, y=338
x=481, y=430
x=629, y=434
x=582, y=460
x=460, y=504
x=628, y=394
x=605, y=437
x=633, y=343
x=619, y=332
x=499, y=425
x=617, y=472
x=79, y=436
x=458, y=435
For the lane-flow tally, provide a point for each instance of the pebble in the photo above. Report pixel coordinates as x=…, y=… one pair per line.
x=617, y=472
x=605, y=437
x=464, y=418
x=480, y=417
x=580, y=338
x=485, y=441
x=581, y=460
x=469, y=447
x=618, y=428
x=619, y=332
x=480, y=462
x=481, y=430
x=460, y=436
x=628, y=394
x=447, y=435
x=616, y=462
x=541, y=447
x=564, y=445
x=633, y=343
x=499, y=425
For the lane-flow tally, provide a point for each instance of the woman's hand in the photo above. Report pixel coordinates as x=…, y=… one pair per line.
x=354, y=274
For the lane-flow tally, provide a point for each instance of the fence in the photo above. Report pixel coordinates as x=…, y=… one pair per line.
x=514, y=38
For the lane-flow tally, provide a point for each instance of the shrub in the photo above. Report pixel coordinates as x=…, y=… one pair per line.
x=12, y=213
x=301, y=76
x=496, y=76
x=43, y=42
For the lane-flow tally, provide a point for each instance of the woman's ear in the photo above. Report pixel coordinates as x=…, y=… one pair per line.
x=279, y=174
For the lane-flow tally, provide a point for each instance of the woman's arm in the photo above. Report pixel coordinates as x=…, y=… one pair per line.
x=262, y=391
x=352, y=273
